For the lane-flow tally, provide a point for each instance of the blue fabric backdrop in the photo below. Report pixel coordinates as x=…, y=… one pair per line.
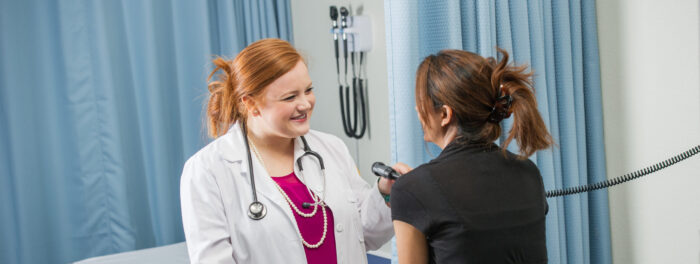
x=100, y=105
x=559, y=40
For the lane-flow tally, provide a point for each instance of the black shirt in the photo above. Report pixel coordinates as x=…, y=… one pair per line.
x=475, y=205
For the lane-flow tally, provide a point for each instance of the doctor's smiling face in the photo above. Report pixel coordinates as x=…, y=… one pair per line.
x=285, y=106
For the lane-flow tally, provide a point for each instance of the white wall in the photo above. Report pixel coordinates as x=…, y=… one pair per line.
x=311, y=26
x=649, y=54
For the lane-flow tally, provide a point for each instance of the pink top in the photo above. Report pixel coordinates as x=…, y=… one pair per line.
x=311, y=228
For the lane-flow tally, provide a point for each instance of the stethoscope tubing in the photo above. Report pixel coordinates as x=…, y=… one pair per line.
x=256, y=209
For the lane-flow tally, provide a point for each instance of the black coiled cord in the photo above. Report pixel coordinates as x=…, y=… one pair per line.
x=624, y=178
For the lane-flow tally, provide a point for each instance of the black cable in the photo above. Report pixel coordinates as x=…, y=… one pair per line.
x=352, y=62
x=342, y=112
x=351, y=130
x=334, y=27
x=362, y=56
x=345, y=56
x=364, y=113
x=337, y=59
x=345, y=89
x=354, y=106
x=627, y=177
x=353, y=125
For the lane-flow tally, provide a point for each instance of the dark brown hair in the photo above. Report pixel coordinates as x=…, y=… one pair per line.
x=253, y=69
x=471, y=85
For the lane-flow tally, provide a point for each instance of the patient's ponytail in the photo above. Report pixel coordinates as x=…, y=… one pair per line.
x=528, y=130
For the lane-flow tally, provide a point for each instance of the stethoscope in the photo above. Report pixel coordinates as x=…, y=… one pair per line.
x=257, y=210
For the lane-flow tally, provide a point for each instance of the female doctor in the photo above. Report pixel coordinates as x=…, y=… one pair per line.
x=268, y=189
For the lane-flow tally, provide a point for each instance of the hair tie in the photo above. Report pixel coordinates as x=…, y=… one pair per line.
x=501, y=108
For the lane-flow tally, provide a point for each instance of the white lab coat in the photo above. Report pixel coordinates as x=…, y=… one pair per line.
x=215, y=193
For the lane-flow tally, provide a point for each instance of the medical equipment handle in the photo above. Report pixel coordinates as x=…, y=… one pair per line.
x=382, y=170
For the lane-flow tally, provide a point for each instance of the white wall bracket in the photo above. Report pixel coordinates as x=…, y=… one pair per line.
x=359, y=33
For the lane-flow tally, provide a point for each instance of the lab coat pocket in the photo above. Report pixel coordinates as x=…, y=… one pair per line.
x=354, y=201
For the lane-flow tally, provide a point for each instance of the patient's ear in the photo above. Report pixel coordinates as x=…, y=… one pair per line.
x=446, y=115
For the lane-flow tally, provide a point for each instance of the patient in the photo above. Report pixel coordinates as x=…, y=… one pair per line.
x=476, y=202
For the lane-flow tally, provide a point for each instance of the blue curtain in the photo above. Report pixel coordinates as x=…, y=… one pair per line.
x=101, y=102
x=559, y=40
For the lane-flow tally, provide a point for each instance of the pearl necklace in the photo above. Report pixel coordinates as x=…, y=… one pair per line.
x=289, y=201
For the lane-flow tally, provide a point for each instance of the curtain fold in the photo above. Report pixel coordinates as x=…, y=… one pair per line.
x=558, y=39
x=101, y=102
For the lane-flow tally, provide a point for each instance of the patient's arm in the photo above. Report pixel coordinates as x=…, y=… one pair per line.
x=411, y=244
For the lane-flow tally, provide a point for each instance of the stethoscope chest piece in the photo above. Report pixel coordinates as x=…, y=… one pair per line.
x=256, y=210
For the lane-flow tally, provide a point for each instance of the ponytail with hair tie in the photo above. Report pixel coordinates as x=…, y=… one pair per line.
x=482, y=92
x=501, y=109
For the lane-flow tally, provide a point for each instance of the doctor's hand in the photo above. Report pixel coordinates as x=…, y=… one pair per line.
x=385, y=184
x=401, y=168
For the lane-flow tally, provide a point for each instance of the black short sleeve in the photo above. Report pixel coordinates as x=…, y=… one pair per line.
x=407, y=208
x=475, y=205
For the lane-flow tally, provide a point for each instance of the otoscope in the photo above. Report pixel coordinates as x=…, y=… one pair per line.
x=382, y=170
x=334, y=24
